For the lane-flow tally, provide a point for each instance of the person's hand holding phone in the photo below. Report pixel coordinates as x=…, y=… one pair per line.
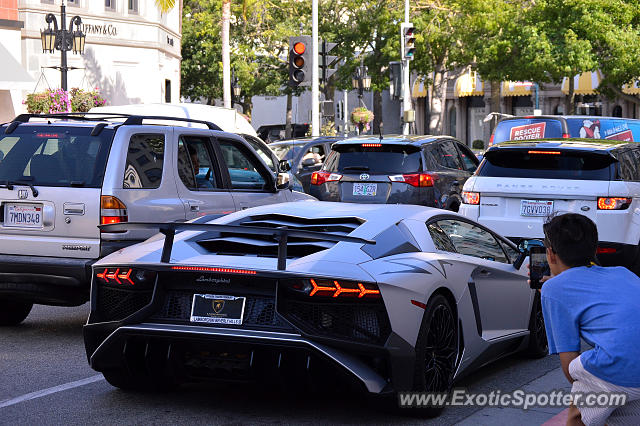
x=539, y=270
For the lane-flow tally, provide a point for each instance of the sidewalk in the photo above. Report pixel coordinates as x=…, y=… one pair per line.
x=549, y=416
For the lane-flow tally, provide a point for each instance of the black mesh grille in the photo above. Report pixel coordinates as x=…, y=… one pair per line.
x=115, y=304
x=259, y=311
x=353, y=321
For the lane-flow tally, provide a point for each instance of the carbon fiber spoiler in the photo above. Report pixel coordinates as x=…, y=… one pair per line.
x=281, y=234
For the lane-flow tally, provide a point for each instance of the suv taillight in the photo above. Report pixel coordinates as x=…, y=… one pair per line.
x=318, y=178
x=472, y=198
x=112, y=210
x=613, y=203
x=415, y=179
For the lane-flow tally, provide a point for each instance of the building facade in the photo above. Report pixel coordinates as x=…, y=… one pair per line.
x=132, y=50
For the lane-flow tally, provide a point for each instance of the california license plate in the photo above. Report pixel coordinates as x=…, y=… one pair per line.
x=23, y=215
x=365, y=189
x=217, y=309
x=536, y=208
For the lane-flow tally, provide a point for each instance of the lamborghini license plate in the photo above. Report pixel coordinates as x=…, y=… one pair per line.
x=217, y=309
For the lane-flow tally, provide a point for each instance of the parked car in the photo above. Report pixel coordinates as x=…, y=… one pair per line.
x=520, y=184
x=425, y=170
x=304, y=155
x=275, y=132
x=62, y=177
x=566, y=126
x=388, y=297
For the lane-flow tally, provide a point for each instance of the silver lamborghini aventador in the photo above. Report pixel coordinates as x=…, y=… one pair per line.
x=389, y=297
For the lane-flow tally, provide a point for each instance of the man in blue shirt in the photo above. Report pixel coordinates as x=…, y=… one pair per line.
x=601, y=306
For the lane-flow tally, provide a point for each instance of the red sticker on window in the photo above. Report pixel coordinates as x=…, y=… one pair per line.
x=528, y=131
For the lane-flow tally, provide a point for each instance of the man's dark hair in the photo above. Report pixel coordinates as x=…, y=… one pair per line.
x=573, y=238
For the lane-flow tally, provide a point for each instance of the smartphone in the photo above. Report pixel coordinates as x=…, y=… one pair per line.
x=538, y=266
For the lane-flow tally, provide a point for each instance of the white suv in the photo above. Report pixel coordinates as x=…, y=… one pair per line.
x=62, y=177
x=519, y=184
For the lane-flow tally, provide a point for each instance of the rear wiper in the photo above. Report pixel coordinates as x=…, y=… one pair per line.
x=10, y=183
x=355, y=168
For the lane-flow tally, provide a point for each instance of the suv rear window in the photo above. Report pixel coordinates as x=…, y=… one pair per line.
x=578, y=165
x=54, y=156
x=355, y=158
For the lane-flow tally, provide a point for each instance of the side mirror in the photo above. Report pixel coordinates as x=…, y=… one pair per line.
x=282, y=181
x=284, y=165
x=308, y=162
x=524, y=247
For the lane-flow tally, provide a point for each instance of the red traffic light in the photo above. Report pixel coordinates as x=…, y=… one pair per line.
x=299, y=48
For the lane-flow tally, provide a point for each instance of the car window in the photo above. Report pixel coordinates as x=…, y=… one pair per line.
x=472, y=240
x=195, y=166
x=635, y=155
x=527, y=128
x=314, y=156
x=262, y=151
x=54, y=155
x=440, y=239
x=244, y=168
x=469, y=160
x=446, y=155
x=511, y=252
x=383, y=159
x=556, y=164
x=145, y=158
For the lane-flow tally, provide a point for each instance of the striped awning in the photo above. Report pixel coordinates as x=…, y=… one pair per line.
x=469, y=84
x=419, y=89
x=516, y=88
x=584, y=84
x=632, y=89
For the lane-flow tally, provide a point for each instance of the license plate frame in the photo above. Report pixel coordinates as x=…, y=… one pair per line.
x=364, y=189
x=217, y=309
x=13, y=211
x=536, y=208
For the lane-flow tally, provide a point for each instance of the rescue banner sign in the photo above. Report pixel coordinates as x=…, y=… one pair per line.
x=528, y=131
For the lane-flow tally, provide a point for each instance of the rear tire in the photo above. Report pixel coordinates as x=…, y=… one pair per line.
x=436, y=351
x=13, y=312
x=538, y=344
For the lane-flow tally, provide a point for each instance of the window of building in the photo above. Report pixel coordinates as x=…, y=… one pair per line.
x=110, y=4
x=617, y=111
x=75, y=3
x=167, y=91
x=145, y=158
x=133, y=6
x=452, y=122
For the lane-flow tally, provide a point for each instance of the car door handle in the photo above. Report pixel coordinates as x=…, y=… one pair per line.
x=485, y=272
x=194, y=208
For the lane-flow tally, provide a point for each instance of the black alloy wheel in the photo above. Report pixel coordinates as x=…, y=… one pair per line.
x=538, y=344
x=13, y=312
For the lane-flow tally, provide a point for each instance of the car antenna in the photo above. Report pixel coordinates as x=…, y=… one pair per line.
x=381, y=130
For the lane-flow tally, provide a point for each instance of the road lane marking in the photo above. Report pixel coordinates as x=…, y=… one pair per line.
x=49, y=391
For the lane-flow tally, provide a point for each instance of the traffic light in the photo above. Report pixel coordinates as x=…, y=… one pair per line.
x=408, y=40
x=300, y=54
x=395, y=80
x=327, y=61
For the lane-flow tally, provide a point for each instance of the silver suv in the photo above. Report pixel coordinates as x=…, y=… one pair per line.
x=63, y=176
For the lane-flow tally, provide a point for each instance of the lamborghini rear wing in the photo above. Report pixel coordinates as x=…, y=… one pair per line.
x=280, y=234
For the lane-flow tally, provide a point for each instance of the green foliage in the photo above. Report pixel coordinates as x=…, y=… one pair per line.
x=477, y=144
x=361, y=115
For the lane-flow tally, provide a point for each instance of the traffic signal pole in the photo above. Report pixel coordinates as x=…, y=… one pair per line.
x=406, y=92
x=315, y=75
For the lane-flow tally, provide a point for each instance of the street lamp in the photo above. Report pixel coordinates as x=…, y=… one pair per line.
x=62, y=39
x=236, y=90
x=361, y=80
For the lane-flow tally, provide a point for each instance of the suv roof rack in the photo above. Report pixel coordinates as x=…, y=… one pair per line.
x=131, y=119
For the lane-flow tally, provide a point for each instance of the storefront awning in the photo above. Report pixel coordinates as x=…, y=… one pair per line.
x=583, y=84
x=632, y=89
x=516, y=88
x=469, y=84
x=12, y=75
x=419, y=89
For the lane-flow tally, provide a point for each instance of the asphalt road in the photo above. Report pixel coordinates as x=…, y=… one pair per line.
x=47, y=351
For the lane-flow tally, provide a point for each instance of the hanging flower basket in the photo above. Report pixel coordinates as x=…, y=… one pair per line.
x=361, y=115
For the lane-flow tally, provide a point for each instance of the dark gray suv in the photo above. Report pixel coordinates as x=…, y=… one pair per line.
x=425, y=170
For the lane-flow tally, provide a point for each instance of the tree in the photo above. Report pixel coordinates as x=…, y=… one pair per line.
x=165, y=5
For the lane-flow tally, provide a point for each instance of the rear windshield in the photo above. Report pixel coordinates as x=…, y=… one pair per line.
x=385, y=159
x=558, y=165
x=527, y=128
x=54, y=155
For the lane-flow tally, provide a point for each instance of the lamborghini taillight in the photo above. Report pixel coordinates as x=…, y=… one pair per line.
x=335, y=289
x=124, y=276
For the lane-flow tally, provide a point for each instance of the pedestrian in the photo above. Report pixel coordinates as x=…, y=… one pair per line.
x=599, y=304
